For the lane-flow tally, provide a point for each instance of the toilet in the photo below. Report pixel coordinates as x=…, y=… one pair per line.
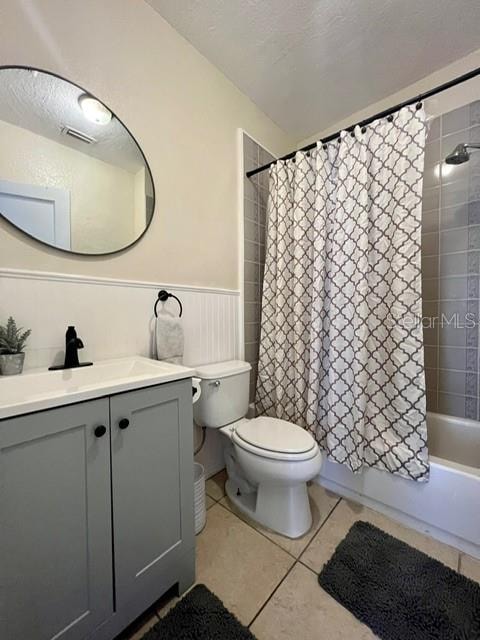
x=269, y=461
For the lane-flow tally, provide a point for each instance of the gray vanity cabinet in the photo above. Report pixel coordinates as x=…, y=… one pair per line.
x=152, y=474
x=55, y=523
x=95, y=523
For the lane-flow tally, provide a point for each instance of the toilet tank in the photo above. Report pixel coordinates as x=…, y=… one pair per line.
x=224, y=393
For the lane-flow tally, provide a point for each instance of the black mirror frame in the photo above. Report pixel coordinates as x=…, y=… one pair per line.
x=69, y=251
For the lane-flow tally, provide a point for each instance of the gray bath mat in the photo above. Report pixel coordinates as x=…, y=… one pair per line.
x=399, y=592
x=200, y=615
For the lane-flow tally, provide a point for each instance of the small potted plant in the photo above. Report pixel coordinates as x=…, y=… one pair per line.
x=12, y=343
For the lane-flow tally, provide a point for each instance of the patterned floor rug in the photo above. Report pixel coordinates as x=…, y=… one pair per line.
x=200, y=615
x=398, y=591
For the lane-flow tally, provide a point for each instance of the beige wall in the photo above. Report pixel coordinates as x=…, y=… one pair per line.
x=451, y=99
x=184, y=114
x=103, y=198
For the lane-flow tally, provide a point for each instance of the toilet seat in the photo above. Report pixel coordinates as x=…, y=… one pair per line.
x=276, y=439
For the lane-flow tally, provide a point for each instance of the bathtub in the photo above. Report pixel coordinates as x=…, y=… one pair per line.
x=447, y=507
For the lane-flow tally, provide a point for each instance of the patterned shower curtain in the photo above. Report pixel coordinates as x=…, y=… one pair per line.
x=341, y=348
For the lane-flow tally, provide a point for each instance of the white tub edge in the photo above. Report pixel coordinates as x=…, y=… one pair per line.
x=443, y=508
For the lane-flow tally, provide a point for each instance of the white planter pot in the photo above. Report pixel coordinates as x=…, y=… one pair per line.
x=11, y=364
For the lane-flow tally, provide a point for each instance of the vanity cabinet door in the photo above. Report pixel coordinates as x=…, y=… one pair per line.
x=55, y=523
x=152, y=482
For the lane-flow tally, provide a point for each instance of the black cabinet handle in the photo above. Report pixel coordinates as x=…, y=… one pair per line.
x=100, y=431
x=123, y=423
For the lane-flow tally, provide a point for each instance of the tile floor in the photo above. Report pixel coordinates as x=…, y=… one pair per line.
x=270, y=582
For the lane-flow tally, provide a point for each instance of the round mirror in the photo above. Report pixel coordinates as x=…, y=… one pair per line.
x=71, y=174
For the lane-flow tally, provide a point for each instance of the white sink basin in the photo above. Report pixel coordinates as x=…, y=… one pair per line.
x=42, y=389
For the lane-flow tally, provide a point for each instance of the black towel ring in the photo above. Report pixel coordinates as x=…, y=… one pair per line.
x=163, y=296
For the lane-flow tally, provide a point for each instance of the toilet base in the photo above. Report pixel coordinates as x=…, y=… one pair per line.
x=283, y=509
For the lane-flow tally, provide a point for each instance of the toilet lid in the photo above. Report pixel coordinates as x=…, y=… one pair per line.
x=277, y=435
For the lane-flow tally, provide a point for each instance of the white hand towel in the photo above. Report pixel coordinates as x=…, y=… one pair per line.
x=169, y=338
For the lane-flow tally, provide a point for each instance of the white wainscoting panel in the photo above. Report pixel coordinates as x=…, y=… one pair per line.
x=114, y=318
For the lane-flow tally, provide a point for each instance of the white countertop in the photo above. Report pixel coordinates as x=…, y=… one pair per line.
x=40, y=389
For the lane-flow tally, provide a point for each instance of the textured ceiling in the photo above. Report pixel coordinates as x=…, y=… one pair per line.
x=310, y=63
x=45, y=104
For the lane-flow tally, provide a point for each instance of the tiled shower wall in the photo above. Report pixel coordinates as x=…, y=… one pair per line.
x=255, y=213
x=450, y=266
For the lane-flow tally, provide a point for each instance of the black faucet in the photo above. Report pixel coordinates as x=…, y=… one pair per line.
x=72, y=345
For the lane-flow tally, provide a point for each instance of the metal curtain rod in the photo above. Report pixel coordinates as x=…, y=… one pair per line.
x=363, y=123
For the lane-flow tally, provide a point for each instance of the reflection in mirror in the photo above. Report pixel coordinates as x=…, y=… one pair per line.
x=71, y=174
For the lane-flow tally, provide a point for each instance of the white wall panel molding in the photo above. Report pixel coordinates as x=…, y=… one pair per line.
x=114, y=317
x=65, y=277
